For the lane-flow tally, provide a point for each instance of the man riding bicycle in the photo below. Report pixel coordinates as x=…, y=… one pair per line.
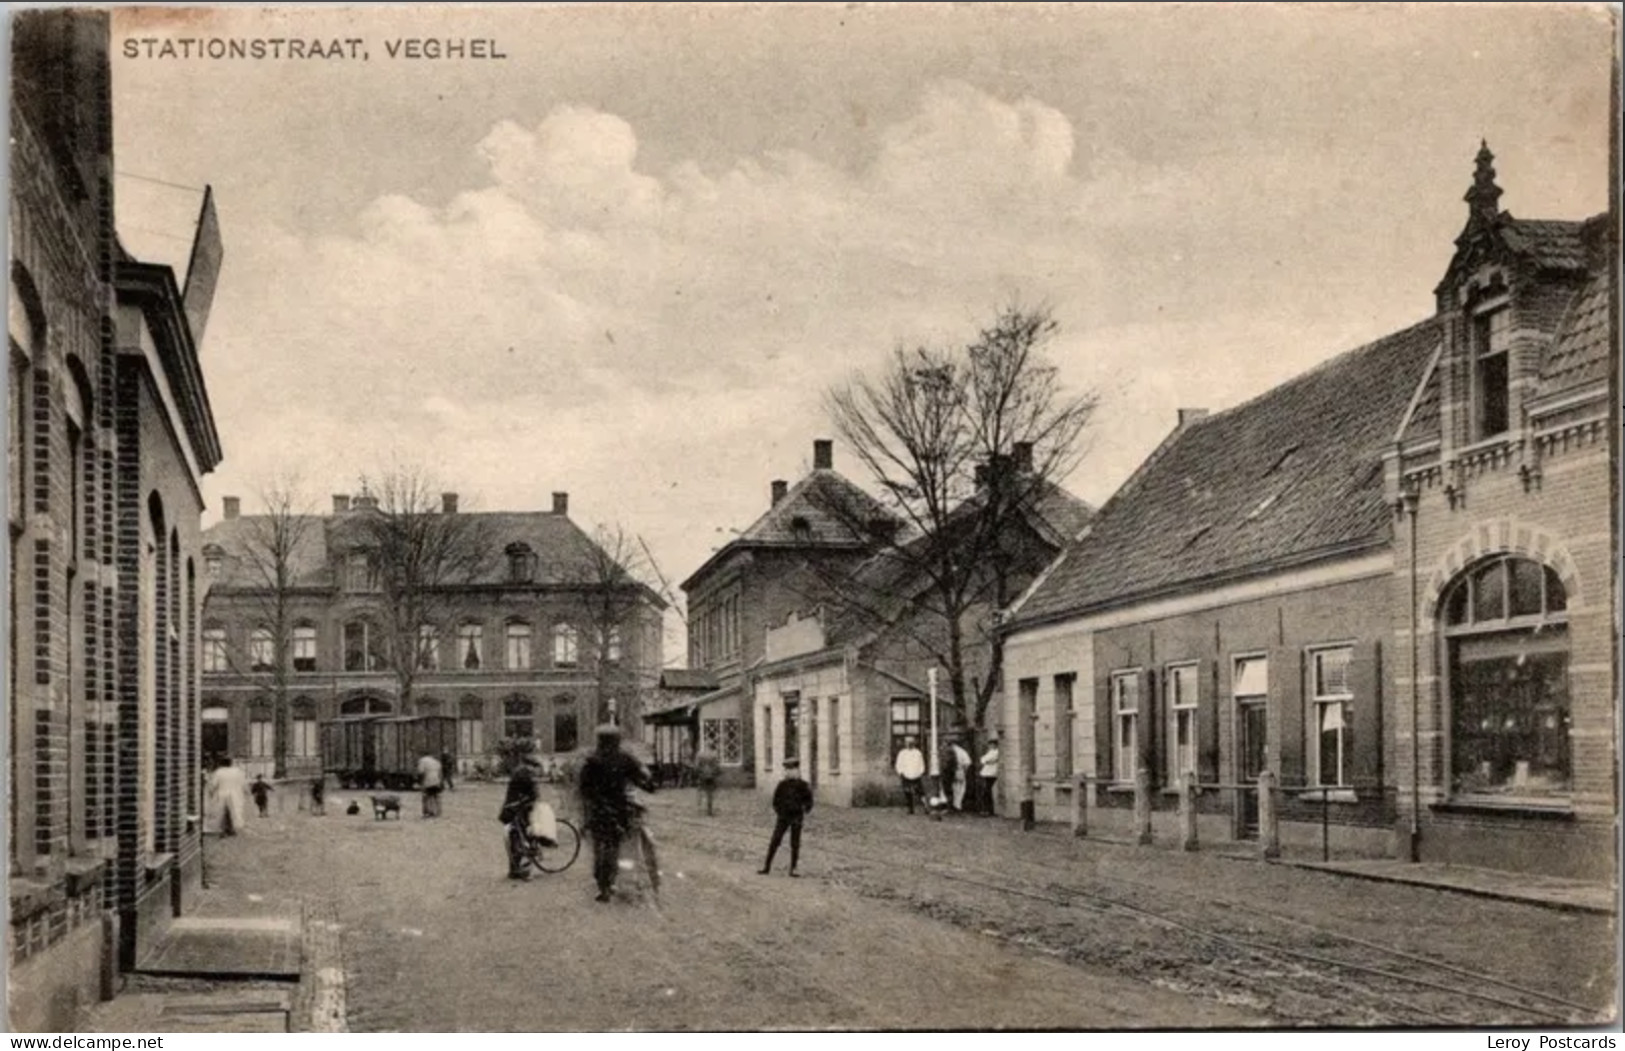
x=515, y=815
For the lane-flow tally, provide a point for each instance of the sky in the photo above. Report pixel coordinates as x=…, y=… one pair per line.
x=624, y=260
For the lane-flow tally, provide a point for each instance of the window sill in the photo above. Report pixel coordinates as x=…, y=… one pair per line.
x=1542, y=810
x=1330, y=795
x=1119, y=789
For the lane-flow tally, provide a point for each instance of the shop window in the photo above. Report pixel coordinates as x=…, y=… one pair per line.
x=1506, y=631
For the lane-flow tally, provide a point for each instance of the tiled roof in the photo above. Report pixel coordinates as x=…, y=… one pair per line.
x=688, y=679
x=813, y=514
x=564, y=554
x=1579, y=355
x=886, y=584
x=1555, y=244
x=1292, y=474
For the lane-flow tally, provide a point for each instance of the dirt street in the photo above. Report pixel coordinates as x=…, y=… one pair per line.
x=897, y=923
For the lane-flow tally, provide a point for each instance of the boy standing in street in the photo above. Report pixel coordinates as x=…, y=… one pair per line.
x=792, y=799
x=261, y=793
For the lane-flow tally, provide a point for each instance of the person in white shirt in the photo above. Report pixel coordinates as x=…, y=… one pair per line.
x=990, y=773
x=962, y=770
x=910, y=770
x=429, y=772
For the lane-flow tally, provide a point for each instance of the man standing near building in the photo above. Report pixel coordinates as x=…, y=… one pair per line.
x=515, y=813
x=910, y=770
x=429, y=772
x=963, y=770
x=707, y=772
x=792, y=800
x=990, y=774
x=606, y=777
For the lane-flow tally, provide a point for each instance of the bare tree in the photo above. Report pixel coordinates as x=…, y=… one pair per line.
x=423, y=558
x=965, y=446
x=267, y=569
x=615, y=600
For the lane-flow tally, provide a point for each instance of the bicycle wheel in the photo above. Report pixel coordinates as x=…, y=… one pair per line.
x=562, y=855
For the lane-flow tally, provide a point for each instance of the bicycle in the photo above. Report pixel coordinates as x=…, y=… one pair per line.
x=557, y=857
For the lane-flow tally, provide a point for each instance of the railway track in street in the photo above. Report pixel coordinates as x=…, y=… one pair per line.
x=1298, y=971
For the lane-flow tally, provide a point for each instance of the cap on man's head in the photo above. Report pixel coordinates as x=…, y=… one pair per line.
x=792, y=764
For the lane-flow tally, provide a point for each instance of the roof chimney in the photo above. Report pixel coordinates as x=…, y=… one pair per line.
x=780, y=487
x=341, y=503
x=1190, y=416
x=448, y=503
x=231, y=506
x=1021, y=457
x=561, y=503
x=823, y=454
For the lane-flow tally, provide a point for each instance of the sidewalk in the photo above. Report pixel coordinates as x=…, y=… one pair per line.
x=244, y=959
x=1548, y=891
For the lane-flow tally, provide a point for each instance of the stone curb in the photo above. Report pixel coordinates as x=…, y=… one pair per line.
x=319, y=1005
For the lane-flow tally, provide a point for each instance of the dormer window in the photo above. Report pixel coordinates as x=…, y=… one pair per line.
x=800, y=529
x=213, y=556
x=521, y=564
x=1491, y=404
x=358, y=572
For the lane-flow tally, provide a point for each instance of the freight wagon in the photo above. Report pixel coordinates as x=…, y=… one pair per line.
x=382, y=751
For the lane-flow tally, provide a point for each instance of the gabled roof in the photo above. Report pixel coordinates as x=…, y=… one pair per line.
x=1290, y=476
x=806, y=518
x=891, y=581
x=564, y=554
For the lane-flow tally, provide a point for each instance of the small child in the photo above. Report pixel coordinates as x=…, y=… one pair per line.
x=261, y=793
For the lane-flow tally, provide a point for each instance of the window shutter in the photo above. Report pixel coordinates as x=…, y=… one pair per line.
x=1207, y=721
x=1365, y=681
x=1104, y=710
x=1287, y=677
x=1151, y=726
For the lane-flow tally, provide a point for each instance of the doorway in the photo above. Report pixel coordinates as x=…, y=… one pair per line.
x=1252, y=736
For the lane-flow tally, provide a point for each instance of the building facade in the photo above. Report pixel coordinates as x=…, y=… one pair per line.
x=1386, y=582
x=521, y=651
x=110, y=435
x=772, y=569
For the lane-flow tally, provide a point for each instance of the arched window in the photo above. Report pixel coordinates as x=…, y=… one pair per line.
x=470, y=653
x=303, y=744
x=261, y=650
x=566, y=728
x=214, y=648
x=363, y=647
x=518, y=718
x=564, y=646
x=304, y=647
x=1506, y=633
x=428, y=647
x=429, y=706
x=470, y=726
x=518, y=637
x=366, y=704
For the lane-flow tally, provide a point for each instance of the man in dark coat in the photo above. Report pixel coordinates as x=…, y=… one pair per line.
x=606, y=777
x=522, y=795
x=792, y=799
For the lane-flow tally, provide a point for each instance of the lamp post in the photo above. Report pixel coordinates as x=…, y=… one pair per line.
x=933, y=758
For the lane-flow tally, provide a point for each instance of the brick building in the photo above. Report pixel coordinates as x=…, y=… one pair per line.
x=110, y=433
x=756, y=581
x=1257, y=595
x=841, y=685
x=523, y=651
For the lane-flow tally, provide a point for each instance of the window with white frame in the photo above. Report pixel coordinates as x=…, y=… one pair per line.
x=303, y=742
x=261, y=734
x=304, y=647
x=518, y=644
x=906, y=723
x=470, y=726
x=362, y=647
x=428, y=648
x=723, y=738
x=214, y=649
x=518, y=718
x=358, y=575
x=1332, y=698
x=612, y=645
x=1182, y=698
x=470, y=638
x=565, y=646
x=1125, y=687
x=1491, y=334
x=261, y=650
